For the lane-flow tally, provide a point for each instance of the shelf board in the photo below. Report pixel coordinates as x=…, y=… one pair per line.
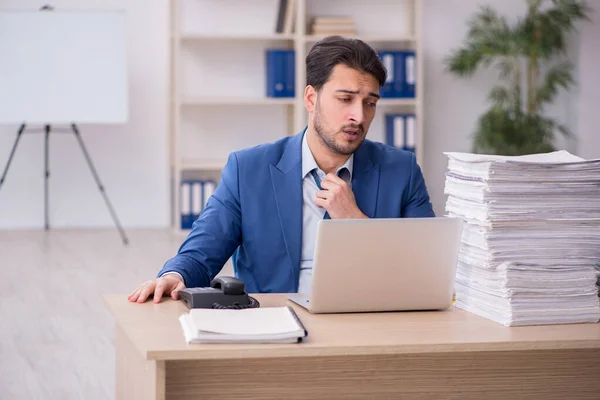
x=192, y=37
x=202, y=165
x=235, y=36
x=227, y=101
x=368, y=38
x=397, y=102
x=232, y=101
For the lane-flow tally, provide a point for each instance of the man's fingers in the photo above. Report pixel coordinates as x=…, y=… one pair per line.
x=160, y=289
x=323, y=194
x=134, y=295
x=333, y=178
x=326, y=184
x=148, y=288
x=329, y=185
x=333, y=187
x=174, y=292
x=142, y=296
x=321, y=203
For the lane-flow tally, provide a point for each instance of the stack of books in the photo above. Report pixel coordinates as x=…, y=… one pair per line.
x=343, y=26
x=530, y=239
x=286, y=15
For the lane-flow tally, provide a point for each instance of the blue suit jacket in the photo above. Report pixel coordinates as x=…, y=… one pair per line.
x=257, y=209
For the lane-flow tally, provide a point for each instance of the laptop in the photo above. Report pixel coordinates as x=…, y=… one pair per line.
x=383, y=264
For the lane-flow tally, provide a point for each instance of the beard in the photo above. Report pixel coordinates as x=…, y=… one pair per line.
x=328, y=138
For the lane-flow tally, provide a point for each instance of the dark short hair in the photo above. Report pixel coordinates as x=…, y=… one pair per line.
x=334, y=50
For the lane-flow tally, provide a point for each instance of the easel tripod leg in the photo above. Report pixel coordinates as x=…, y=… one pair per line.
x=100, y=186
x=46, y=176
x=12, y=153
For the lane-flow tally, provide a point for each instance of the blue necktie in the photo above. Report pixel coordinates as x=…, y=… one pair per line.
x=318, y=182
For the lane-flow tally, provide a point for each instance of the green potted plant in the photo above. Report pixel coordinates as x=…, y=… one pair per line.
x=530, y=55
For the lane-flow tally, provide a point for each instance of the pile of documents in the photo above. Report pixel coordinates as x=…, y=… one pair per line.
x=531, y=236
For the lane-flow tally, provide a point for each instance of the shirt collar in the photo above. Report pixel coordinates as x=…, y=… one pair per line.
x=309, y=163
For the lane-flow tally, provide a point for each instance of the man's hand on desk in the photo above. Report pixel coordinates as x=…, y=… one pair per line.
x=165, y=285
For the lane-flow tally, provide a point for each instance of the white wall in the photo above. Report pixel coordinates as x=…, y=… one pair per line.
x=453, y=104
x=131, y=160
x=588, y=92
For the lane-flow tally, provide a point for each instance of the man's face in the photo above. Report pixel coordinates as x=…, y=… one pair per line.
x=344, y=109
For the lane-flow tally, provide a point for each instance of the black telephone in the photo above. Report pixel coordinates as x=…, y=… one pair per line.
x=224, y=292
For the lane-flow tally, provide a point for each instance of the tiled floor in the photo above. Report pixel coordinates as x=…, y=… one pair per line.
x=56, y=337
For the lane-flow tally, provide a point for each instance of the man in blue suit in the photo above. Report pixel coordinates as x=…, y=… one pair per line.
x=270, y=198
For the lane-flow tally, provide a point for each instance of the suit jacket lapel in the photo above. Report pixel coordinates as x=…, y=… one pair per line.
x=287, y=186
x=365, y=180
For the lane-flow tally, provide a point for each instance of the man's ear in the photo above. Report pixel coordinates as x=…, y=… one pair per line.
x=310, y=98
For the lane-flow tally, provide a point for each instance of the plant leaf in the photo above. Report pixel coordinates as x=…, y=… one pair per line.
x=554, y=24
x=499, y=96
x=559, y=76
x=507, y=68
x=566, y=132
x=489, y=36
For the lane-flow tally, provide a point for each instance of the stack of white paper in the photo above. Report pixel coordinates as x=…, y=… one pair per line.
x=531, y=236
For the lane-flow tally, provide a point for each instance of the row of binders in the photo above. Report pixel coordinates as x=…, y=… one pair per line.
x=281, y=72
x=400, y=66
x=194, y=196
x=401, y=131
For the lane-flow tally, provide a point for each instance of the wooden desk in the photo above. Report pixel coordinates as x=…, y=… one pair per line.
x=413, y=355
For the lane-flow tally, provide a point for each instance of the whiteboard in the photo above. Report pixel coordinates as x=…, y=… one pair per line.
x=62, y=67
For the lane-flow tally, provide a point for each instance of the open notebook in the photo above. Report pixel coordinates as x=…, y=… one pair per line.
x=251, y=325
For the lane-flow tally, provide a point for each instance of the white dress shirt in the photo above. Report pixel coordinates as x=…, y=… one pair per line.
x=311, y=213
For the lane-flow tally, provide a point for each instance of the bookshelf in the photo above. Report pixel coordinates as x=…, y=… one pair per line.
x=218, y=101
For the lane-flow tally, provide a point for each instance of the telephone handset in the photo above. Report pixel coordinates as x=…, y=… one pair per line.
x=224, y=292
